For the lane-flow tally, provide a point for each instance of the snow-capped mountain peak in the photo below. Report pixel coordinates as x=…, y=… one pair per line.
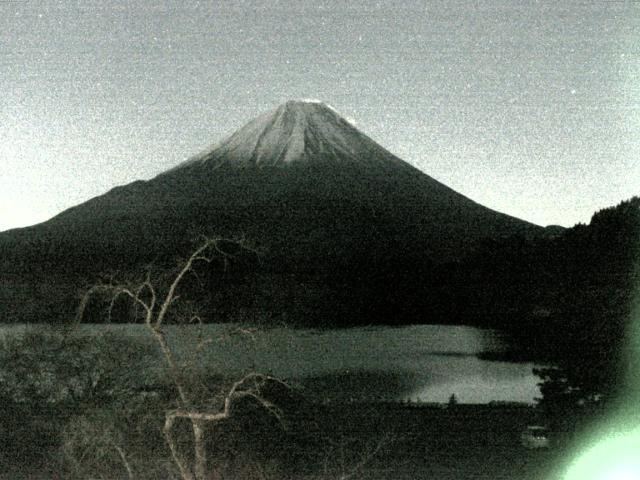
x=298, y=131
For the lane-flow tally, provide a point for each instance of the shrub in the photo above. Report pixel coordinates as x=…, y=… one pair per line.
x=48, y=376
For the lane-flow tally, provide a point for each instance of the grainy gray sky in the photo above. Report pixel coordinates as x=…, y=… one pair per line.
x=530, y=108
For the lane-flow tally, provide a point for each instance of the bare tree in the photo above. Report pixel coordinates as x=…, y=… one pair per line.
x=156, y=304
x=94, y=442
x=347, y=458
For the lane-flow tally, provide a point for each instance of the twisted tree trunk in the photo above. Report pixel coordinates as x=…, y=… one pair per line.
x=145, y=296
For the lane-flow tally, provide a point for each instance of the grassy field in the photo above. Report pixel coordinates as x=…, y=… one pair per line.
x=385, y=441
x=463, y=442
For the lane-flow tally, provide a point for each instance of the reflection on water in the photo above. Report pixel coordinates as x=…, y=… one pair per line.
x=421, y=363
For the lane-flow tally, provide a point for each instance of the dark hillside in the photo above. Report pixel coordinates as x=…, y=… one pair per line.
x=317, y=197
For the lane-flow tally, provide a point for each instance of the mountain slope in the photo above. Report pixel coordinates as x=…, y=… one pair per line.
x=299, y=132
x=318, y=195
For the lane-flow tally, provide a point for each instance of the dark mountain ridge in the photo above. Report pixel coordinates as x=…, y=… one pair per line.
x=312, y=191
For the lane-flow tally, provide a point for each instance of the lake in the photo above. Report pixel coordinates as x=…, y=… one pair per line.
x=425, y=363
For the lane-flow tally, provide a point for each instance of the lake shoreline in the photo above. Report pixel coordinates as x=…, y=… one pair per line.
x=420, y=363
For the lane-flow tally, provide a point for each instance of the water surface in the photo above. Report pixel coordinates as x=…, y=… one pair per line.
x=426, y=363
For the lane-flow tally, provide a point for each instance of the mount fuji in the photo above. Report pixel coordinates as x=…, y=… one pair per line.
x=299, y=132
x=329, y=207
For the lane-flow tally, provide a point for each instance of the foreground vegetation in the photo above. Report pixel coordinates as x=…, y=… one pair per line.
x=78, y=404
x=73, y=409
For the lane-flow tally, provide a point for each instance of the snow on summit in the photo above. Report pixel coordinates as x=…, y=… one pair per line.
x=307, y=131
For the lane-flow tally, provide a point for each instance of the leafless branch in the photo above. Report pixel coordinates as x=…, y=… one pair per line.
x=346, y=468
x=146, y=297
x=125, y=462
